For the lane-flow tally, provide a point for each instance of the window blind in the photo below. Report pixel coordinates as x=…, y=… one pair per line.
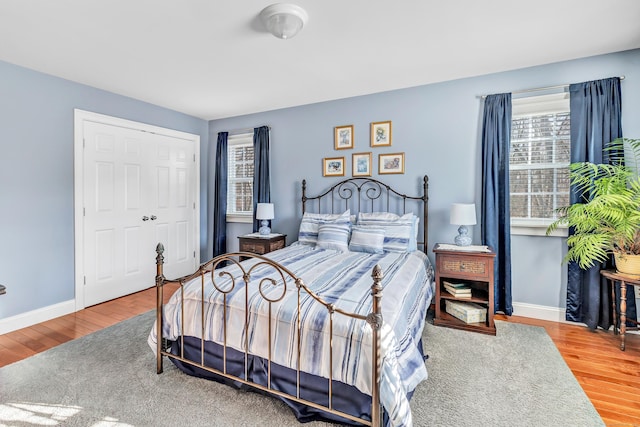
x=539, y=158
x=240, y=175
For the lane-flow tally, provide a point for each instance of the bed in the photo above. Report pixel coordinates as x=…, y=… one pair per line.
x=308, y=323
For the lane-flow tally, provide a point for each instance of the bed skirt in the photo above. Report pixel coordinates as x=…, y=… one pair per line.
x=346, y=398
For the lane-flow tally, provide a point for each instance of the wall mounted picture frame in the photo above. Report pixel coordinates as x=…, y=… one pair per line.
x=390, y=163
x=333, y=166
x=343, y=137
x=361, y=164
x=381, y=134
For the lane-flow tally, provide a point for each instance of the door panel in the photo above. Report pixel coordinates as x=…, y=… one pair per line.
x=105, y=252
x=132, y=239
x=104, y=189
x=132, y=187
x=182, y=241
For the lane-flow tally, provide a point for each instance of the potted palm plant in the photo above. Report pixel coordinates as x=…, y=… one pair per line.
x=607, y=221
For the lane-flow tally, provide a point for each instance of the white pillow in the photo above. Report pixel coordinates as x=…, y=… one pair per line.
x=368, y=239
x=334, y=235
x=308, y=232
x=380, y=216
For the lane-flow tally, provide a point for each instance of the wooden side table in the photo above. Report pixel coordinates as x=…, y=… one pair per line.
x=259, y=244
x=474, y=268
x=613, y=276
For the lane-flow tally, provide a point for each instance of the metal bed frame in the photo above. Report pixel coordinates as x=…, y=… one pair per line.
x=368, y=191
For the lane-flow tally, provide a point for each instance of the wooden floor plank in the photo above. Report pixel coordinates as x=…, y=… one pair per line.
x=628, y=401
x=71, y=327
x=14, y=346
x=9, y=356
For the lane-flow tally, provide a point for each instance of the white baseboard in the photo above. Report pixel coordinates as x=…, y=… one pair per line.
x=553, y=314
x=43, y=314
x=542, y=312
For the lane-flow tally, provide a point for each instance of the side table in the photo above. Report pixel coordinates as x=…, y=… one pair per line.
x=623, y=280
x=474, y=268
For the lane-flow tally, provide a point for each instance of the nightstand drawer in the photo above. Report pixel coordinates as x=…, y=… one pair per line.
x=276, y=245
x=259, y=249
x=460, y=265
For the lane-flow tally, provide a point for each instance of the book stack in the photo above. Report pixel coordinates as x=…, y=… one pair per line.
x=458, y=290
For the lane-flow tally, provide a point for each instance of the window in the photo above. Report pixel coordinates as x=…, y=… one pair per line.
x=538, y=161
x=240, y=178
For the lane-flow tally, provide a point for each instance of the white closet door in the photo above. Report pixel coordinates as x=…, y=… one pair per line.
x=172, y=203
x=138, y=191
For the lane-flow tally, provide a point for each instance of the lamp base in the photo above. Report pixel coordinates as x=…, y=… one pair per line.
x=264, y=229
x=463, y=238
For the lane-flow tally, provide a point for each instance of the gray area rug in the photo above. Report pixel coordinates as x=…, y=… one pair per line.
x=108, y=379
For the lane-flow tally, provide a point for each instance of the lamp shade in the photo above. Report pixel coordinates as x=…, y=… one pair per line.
x=463, y=213
x=264, y=211
x=284, y=20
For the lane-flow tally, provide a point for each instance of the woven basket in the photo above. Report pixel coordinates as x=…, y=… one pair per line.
x=627, y=264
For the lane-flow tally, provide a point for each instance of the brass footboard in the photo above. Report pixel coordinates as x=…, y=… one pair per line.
x=374, y=319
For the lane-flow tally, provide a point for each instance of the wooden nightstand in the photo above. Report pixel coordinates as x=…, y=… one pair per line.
x=473, y=268
x=258, y=244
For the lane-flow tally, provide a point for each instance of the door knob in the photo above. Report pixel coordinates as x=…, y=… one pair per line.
x=145, y=218
x=153, y=217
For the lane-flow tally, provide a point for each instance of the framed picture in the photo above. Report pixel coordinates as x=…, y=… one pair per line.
x=390, y=163
x=380, y=134
x=333, y=166
x=343, y=137
x=361, y=163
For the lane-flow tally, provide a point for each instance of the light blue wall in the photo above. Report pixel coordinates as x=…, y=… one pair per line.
x=438, y=127
x=36, y=179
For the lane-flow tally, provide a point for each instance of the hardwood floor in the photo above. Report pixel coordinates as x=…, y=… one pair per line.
x=610, y=377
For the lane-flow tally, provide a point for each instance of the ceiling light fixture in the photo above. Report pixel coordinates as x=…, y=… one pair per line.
x=284, y=20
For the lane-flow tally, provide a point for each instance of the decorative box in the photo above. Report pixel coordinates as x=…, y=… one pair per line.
x=468, y=312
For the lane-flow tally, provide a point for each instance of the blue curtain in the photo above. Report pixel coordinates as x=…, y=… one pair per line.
x=496, y=229
x=595, y=121
x=261, y=183
x=220, y=204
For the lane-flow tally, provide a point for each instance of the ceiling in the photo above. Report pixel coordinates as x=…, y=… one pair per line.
x=213, y=59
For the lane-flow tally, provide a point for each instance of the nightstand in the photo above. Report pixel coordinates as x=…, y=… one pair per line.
x=261, y=244
x=472, y=268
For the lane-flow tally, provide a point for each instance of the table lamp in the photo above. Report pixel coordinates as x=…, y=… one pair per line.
x=463, y=214
x=264, y=212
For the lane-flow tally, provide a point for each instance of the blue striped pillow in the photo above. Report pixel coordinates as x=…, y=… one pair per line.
x=399, y=230
x=367, y=239
x=308, y=232
x=334, y=235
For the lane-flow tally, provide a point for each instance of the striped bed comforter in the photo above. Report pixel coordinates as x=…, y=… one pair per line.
x=341, y=278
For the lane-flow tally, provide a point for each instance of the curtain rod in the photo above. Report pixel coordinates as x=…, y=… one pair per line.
x=538, y=89
x=245, y=130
